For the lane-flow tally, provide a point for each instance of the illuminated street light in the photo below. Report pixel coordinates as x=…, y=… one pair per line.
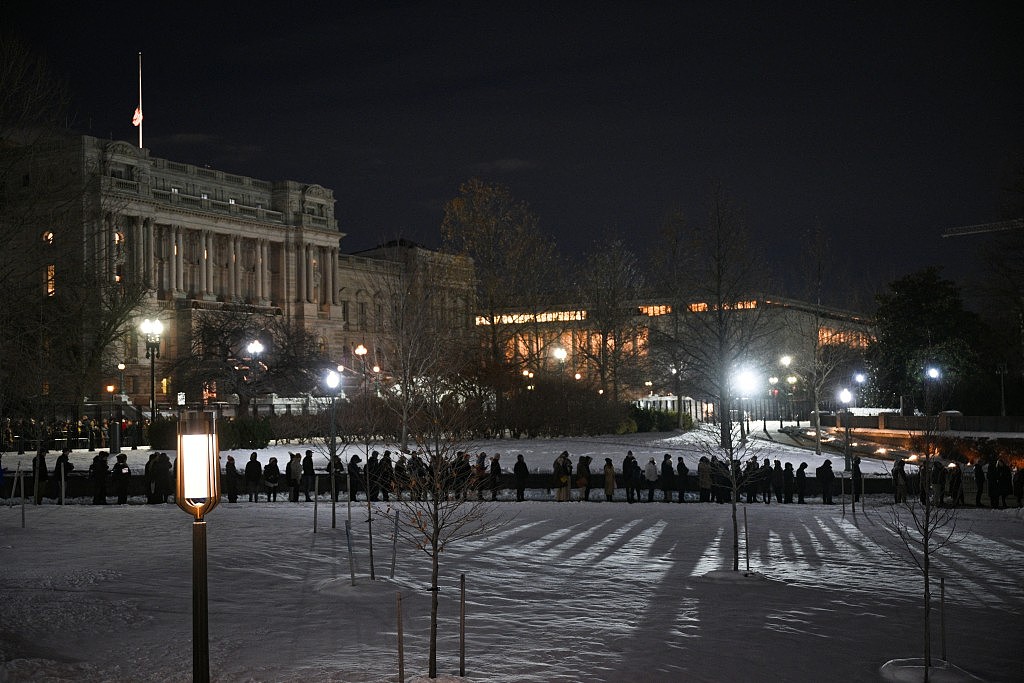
x=845, y=396
x=197, y=493
x=361, y=351
x=333, y=381
x=255, y=348
x=151, y=330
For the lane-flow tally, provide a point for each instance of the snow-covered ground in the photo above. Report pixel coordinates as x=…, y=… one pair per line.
x=562, y=592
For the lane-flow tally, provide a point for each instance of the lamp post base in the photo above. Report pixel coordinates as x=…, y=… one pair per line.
x=200, y=623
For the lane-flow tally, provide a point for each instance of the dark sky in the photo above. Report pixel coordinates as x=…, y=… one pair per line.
x=883, y=125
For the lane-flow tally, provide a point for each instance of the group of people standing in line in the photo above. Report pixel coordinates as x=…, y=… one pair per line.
x=381, y=477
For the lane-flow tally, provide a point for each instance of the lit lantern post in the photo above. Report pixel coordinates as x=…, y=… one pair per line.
x=333, y=381
x=197, y=493
x=151, y=330
x=845, y=396
x=255, y=348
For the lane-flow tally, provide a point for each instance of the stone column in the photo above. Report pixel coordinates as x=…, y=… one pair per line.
x=179, y=258
x=201, y=285
x=150, y=246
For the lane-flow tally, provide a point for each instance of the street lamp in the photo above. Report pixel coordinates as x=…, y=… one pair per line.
x=361, y=352
x=333, y=381
x=151, y=330
x=197, y=493
x=860, y=378
x=113, y=427
x=745, y=383
x=932, y=375
x=845, y=396
x=255, y=348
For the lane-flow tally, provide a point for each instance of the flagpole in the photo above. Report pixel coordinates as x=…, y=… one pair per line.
x=140, y=100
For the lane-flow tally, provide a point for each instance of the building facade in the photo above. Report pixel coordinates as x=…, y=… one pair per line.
x=189, y=239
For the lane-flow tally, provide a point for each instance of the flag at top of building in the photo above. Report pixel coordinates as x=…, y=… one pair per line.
x=137, y=117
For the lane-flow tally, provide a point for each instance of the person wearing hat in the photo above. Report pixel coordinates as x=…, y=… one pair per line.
x=121, y=475
x=609, y=480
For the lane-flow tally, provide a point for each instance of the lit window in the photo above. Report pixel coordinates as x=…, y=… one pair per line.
x=51, y=280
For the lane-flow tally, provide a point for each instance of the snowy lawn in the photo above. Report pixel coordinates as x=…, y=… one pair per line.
x=563, y=592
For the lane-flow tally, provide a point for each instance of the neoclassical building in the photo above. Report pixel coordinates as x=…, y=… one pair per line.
x=198, y=239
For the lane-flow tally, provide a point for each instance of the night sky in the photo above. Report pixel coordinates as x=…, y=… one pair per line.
x=884, y=126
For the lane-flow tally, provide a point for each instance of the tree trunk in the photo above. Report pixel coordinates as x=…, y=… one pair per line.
x=434, y=551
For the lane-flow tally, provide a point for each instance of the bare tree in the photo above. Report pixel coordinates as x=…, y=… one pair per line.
x=924, y=526
x=514, y=264
x=727, y=464
x=726, y=320
x=219, y=362
x=609, y=285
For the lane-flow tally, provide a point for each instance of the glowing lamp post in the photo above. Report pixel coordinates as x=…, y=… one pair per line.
x=151, y=330
x=360, y=351
x=845, y=396
x=197, y=493
x=255, y=348
x=333, y=380
x=113, y=426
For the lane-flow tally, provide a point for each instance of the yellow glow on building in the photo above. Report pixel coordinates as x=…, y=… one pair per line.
x=522, y=318
x=701, y=307
x=653, y=311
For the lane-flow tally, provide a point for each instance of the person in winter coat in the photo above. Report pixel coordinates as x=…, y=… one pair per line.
x=271, y=479
x=788, y=483
x=231, y=480
x=704, y=479
x=636, y=478
x=293, y=475
x=147, y=479
x=899, y=482
x=778, y=481
x=825, y=477
x=801, y=482
x=979, y=482
x=385, y=475
x=120, y=476
x=956, y=485
x=480, y=474
x=164, y=477
x=583, y=477
x=61, y=469
x=40, y=475
x=858, y=479
x=495, y=475
x=609, y=480
x=628, y=463
x=521, y=473
x=253, y=475
x=308, y=474
x=651, y=476
x=354, y=476
x=765, y=481
x=1018, y=486
x=751, y=479
x=98, y=471
x=682, y=478
x=668, y=478
x=1005, y=482
x=562, y=471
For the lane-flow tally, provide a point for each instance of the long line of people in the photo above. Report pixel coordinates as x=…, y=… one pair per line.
x=383, y=476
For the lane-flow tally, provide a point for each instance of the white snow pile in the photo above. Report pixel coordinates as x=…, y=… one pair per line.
x=561, y=592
